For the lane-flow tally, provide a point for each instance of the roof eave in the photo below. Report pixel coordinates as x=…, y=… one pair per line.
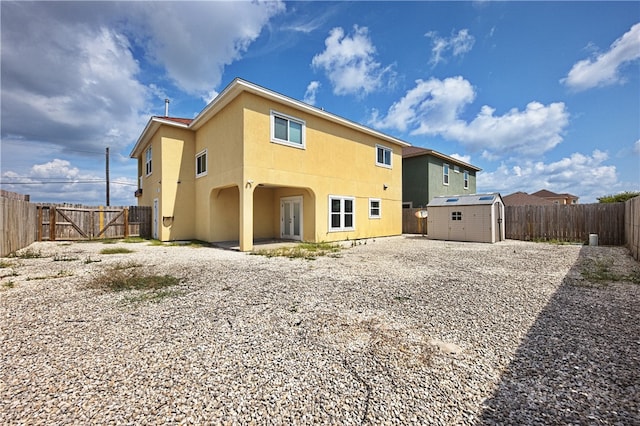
x=238, y=86
x=152, y=126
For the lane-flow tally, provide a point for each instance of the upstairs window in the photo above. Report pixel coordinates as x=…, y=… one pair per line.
x=466, y=179
x=147, y=163
x=383, y=156
x=445, y=174
x=201, y=163
x=287, y=130
x=341, y=213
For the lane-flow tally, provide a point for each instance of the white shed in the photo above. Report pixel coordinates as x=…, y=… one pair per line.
x=475, y=217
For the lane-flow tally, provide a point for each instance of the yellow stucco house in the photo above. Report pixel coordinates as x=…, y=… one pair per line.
x=255, y=164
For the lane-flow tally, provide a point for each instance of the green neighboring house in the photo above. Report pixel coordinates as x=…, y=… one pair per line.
x=427, y=174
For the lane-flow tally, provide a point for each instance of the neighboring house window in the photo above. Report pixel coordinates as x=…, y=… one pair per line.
x=466, y=179
x=456, y=215
x=374, y=208
x=201, y=163
x=445, y=174
x=287, y=130
x=147, y=164
x=407, y=204
x=341, y=213
x=383, y=156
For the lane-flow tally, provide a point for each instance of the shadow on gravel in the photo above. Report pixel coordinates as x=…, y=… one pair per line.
x=580, y=361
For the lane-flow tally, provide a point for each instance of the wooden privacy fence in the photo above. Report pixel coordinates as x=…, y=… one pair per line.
x=17, y=222
x=632, y=226
x=412, y=224
x=567, y=222
x=87, y=223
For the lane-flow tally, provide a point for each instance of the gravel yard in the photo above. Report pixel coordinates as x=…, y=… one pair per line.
x=398, y=330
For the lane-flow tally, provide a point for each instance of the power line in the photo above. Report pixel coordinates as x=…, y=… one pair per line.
x=67, y=181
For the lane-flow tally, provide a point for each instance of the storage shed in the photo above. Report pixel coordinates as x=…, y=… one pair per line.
x=474, y=217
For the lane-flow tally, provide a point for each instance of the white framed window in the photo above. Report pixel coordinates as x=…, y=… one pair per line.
x=383, y=156
x=341, y=213
x=456, y=169
x=466, y=179
x=445, y=174
x=201, y=163
x=407, y=204
x=375, y=206
x=287, y=130
x=147, y=163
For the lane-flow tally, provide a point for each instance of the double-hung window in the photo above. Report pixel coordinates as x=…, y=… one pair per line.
x=466, y=179
x=341, y=213
x=201, y=163
x=445, y=174
x=147, y=163
x=287, y=130
x=374, y=208
x=383, y=156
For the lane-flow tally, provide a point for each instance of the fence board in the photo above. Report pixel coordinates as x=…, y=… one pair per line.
x=18, y=218
x=632, y=226
x=567, y=222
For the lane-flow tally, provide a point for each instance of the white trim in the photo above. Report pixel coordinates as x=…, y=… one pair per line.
x=379, y=215
x=206, y=163
x=342, y=199
x=448, y=174
x=385, y=149
x=287, y=142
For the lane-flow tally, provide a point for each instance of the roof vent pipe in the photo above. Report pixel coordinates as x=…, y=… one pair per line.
x=166, y=107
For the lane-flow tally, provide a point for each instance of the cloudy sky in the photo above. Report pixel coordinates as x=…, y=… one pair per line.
x=537, y=94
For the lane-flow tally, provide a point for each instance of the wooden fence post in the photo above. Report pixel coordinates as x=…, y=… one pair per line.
x=126, y=222
x=52, y=223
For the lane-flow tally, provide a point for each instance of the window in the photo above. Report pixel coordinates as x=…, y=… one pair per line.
x=201, y=163
x=341, y=213
x=466, y=179
x=383, y=156
x=445, y=174
x=456, y=215
x=456, y=169
x=287, y=130
x=147, y=164
x=374, y=208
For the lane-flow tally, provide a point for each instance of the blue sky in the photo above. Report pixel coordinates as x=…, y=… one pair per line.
x=540, y=95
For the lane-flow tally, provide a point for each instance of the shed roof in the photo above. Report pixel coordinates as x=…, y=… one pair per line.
x=465, y=200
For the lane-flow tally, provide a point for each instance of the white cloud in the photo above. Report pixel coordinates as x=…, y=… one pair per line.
x=349, y=62
x=310, y=93
x=60, y=181
x=465, y=158
x=458, y=44
x=636, y=147
x=604, y=69
x=430, y=107
x=78, y=83
x=434, y=107
x=201, y=38
x=589, y=173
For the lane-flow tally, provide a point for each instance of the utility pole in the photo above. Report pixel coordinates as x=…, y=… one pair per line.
x=107, y=172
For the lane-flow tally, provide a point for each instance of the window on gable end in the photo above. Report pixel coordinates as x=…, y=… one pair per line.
x=287, y=130
x=201, y=163
x=148, y=164
x=383, y=156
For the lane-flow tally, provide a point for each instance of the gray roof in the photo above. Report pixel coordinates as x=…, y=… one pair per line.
x=465, y=200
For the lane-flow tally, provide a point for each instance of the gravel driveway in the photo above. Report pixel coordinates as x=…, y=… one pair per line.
x=398, y=330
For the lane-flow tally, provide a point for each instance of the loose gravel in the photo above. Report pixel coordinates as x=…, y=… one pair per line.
x=397, y=330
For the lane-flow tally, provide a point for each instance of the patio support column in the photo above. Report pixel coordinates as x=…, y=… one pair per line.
x=246, y=217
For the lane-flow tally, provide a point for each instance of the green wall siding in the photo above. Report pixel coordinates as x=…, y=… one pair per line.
x=422, y=180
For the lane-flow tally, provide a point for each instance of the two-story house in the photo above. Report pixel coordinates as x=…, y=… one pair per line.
x=427, y=174
x=256, y=164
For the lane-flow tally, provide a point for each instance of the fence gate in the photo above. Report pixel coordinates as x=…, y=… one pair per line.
x=87, y=223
